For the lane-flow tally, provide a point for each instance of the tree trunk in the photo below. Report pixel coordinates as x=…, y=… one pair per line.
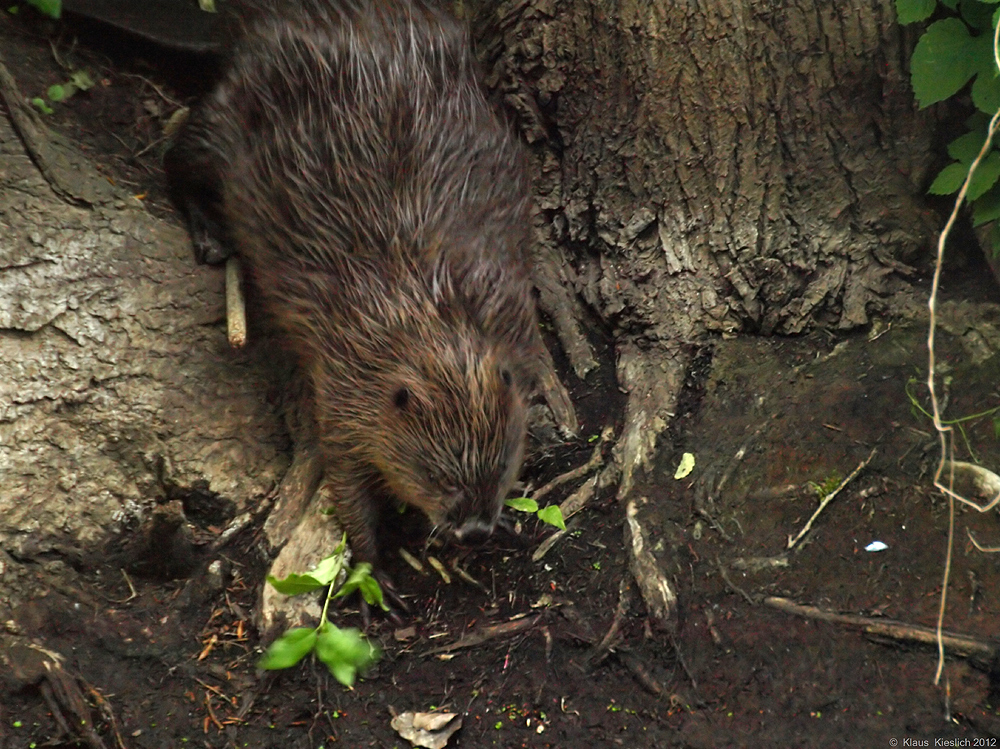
x=710, y=168
x=121, y=404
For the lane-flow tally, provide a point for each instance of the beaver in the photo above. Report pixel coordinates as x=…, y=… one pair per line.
x=380, y=207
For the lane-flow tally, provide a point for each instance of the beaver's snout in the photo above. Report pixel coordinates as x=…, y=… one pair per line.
x=474, y=531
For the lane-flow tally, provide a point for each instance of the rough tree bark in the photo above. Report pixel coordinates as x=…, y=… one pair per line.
x=710, y=168
x=121, y=404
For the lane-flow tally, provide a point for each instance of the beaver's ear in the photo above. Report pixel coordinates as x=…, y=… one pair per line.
x=401, y=398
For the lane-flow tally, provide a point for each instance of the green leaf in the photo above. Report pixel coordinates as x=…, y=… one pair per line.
x=57, y=93
x=995, y=240
x=522, y=504
x=996, y=427
x=328, y=568
x=986, y=91
x=685, y=467
x=323, y=574
x=985, y=177
x=977, y=121
x=345, y=652
x=976, y=14
x=51, y=8
x=553, y=516
x=361, y=579
x=941, y=63
x=40, y=104
x=295, y=584
x=288, y=649
x=362, y=571
x=949, y=180
x=911, y=11
x=987, y=208
x=371, y=591
x=965, y=148
x=950, y=4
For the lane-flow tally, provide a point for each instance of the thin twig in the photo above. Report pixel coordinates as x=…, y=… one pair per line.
x=984, y=549
x=828, y=499
x=607, y=643
x=733, y=586
x=596, y=460
x=131, y=587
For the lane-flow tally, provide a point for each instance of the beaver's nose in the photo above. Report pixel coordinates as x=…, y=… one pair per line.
x=473, y=532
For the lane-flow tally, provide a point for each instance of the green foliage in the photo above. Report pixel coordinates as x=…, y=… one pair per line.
x=911, y=11
x=955, y=48
x=51, y=8
x=78, y=81
x=344, y=651
x=41, y=105
x=551, y=514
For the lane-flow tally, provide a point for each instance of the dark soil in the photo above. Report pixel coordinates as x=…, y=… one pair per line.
x=171, y=663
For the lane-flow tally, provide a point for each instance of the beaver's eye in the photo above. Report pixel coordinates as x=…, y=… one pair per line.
x=401, y=398
x=505, y=376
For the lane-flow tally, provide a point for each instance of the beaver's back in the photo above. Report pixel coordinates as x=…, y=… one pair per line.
x=381, y=209
x=360, y=145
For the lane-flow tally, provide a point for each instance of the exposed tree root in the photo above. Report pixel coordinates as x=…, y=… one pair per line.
x=653, y=379
x=656, y=589
x=31, y=664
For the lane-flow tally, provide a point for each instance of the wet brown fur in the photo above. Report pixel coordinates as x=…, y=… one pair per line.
x=381, y=209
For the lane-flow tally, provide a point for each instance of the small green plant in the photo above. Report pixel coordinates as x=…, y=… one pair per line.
x=78, y=81
x=344, y=651
x=953, y=50
x=825, y=487
x=551, y=514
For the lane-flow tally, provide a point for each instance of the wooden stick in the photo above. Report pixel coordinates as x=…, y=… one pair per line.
x=958, y=644
x=236, y=308
x=486, y=633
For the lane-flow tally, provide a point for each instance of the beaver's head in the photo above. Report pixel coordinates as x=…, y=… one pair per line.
x=448, y=431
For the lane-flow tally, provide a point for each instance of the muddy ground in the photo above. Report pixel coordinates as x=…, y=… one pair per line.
x=771, y=424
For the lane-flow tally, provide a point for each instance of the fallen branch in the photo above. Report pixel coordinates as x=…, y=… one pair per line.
x=485, y=634
x=961, y=645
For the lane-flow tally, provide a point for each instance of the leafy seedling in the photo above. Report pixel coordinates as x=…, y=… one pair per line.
x=344, y=651
x=78, y=81
x=550, y=514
